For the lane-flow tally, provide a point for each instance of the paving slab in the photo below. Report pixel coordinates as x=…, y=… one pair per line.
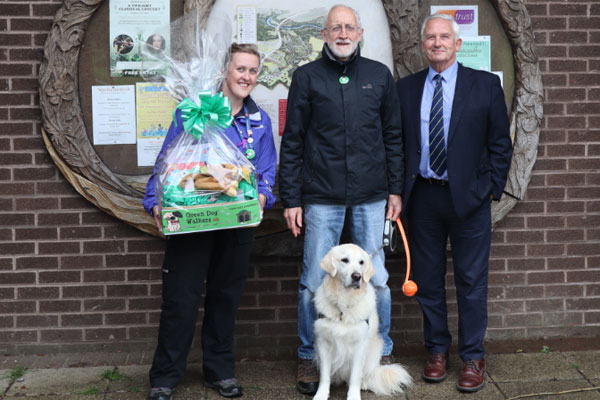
x=10, y=362
x=586, y=362
x=266, y=374
x=63, y=397
x=530, y=367
x=60, y=381
x=4, y=380
x=509, y=375
x=47, y=361
x=545, y=388
x=128, y=396
x=133, y=379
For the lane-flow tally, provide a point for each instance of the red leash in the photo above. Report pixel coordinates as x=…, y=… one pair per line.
x=409, y=288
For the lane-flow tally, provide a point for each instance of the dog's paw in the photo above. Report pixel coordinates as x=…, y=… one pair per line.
x=353, y=396
x=321, y=396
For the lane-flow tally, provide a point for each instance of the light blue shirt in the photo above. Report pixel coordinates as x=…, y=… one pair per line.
x=448, y=87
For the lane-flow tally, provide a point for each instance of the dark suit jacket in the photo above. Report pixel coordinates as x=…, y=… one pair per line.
x=479, y=145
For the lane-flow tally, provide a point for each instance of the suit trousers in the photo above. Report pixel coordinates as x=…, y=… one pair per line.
x=221, y=259
x=431, y=221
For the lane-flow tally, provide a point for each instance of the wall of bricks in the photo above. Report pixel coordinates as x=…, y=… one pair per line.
x=74, y=279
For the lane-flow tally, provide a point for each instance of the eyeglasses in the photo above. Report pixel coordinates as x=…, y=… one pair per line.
x=338, y=29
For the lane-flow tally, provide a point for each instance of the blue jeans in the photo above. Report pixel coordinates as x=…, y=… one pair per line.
x=323, y=225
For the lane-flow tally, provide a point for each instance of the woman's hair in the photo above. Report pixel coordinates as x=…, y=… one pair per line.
x=248, y=48
x=150, y=41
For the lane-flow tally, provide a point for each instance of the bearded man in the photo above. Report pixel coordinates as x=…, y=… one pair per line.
x=341, y=154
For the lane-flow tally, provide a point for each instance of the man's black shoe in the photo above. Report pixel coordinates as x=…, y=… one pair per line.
x=307, y=379
x=226, y=387
x=309, y=388
x=161, y=393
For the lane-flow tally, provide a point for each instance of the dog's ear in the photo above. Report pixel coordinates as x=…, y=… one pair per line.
x=369, y=269
x=328, y=265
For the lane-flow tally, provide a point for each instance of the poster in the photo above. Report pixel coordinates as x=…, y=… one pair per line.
x=500, y=75
x=466, y=17
x=154, y=111
x=288, y=34
x=133, y=23
x=113, y=114
x=476, y=53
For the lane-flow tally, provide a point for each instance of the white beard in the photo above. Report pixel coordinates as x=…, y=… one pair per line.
x=339, y=53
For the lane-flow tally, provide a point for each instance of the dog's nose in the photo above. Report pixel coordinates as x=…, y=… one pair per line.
x=355, y=276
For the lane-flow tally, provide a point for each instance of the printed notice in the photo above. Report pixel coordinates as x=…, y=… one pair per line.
x=466, y=17
x=113, y=114
x=501, y=76
x=154, y=112
x=246, y=24
x=133, y=25
x=476, y=53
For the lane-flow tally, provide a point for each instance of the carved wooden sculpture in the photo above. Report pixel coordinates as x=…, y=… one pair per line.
x=67, y=141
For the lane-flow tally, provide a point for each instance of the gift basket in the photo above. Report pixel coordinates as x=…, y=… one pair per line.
x=202, y=180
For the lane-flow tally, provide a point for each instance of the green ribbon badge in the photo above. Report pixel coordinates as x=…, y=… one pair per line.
x=210, y=111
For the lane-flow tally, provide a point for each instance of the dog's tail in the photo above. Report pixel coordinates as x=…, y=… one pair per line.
x=388, y=380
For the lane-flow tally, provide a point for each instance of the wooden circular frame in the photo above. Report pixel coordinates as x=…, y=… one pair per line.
x=66, y=138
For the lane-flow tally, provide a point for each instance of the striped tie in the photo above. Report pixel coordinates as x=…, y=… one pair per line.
x=437, y=147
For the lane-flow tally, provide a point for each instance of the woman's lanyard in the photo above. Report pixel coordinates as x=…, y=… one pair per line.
x=248, y=143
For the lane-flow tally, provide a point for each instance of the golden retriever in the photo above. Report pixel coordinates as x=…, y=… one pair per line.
x=347, y=342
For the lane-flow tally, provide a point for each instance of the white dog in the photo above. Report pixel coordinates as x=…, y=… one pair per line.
x=347, y=342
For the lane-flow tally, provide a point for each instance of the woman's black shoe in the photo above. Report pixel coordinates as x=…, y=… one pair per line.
x=226, y=387
x=161, y=394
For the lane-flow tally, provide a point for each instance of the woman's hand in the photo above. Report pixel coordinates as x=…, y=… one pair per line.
x=262, y=200
x=157, y=217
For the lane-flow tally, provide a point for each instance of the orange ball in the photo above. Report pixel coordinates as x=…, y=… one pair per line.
x=409, y=288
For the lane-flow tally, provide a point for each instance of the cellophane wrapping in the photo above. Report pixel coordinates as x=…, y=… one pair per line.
x=201, y=165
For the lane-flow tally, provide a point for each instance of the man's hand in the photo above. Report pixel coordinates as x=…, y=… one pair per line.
x=394, y=207
x=157, y=217
x=293, y=217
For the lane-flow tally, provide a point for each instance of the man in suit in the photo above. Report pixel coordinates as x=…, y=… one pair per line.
x=457, y=156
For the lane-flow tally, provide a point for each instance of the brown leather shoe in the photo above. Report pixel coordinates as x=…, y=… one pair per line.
x=435, y=369
x=307, y=378
x=472, y=377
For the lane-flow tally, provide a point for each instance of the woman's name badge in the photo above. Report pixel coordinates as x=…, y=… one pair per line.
x=344, y=79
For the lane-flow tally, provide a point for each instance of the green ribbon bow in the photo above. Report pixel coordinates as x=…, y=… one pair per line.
x=210, y=111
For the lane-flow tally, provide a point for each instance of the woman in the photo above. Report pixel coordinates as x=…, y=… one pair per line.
x=156, y=42
x=219, y=257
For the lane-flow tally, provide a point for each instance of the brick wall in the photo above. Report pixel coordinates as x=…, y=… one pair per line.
x=73, y=278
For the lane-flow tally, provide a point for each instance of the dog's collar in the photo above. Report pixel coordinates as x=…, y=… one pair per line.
x=321, y=315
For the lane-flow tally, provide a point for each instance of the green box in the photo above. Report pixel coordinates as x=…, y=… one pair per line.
x=199, y=218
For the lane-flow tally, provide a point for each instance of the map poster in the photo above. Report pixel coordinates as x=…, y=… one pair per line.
x=476, y=53
x=133, y=23
x=154, y=111
x=286, y=39
x=466, y=17
x=288, y=35
x=113, y=114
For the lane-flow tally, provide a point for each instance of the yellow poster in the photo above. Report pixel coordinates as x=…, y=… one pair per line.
x=154, y=111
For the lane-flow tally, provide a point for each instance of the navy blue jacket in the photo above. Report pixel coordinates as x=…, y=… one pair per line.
x=479, y=145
